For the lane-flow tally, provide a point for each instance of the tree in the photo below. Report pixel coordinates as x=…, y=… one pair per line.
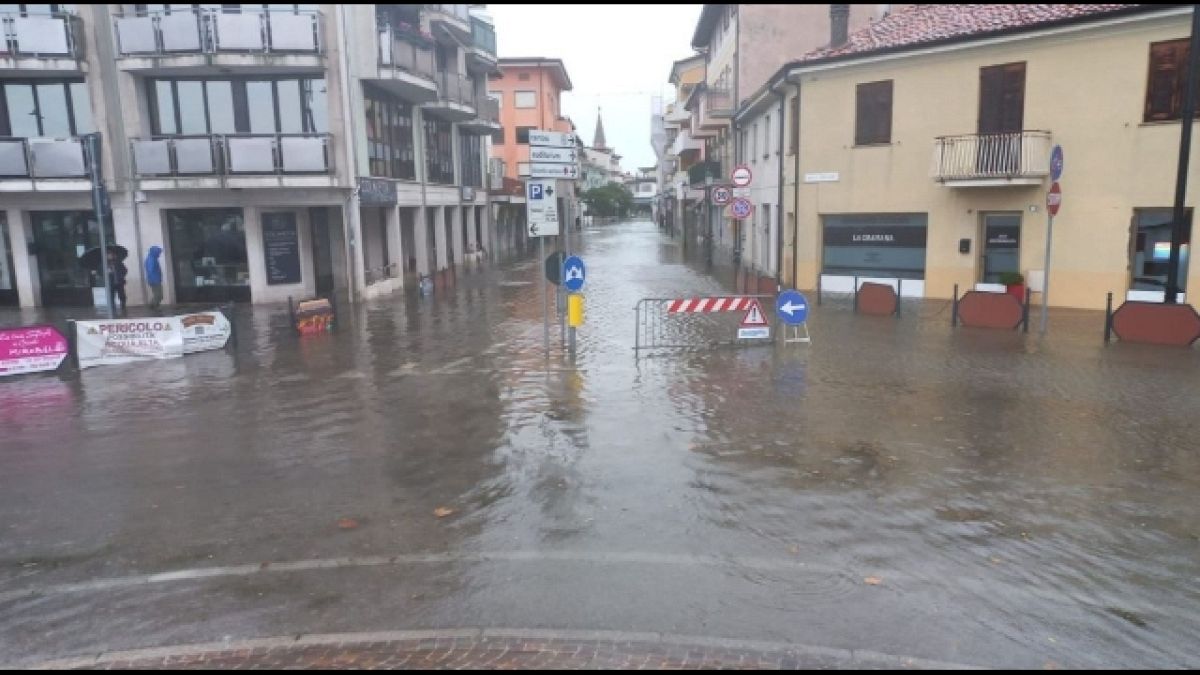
x=613, y=199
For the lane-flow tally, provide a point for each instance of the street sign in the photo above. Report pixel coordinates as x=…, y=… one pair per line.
x=721, y=196
x=574, y=273
x=1056, y=163
x=791, y=307
x=551, y=139
x=754, y=325
x=741, y=192
x=556, y=155
x=1054, y=199
x=541, y=208
x=548, y=170
x=754, y=316
x=554, y=267
x=741, y=208
x=741, y=176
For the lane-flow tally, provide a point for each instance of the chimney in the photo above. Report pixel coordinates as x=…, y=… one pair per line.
x=839, y=25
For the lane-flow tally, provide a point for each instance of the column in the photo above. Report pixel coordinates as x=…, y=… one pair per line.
x=472, y=240
x=125, y=232
x=395, y=245
x=485, y=215
x=421, y=240
x=254, y=253
x=25, y=276
x=439, y=237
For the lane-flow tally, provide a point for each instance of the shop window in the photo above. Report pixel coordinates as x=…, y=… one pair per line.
x=1152, y=249
x=882, y=245
x=873, y=113
x=208, y=251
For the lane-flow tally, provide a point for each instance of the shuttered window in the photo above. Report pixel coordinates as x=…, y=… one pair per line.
x=1167, y=80
x=873, y=115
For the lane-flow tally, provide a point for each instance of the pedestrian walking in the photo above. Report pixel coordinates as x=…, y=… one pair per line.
x=116, y=280
x=154, y=276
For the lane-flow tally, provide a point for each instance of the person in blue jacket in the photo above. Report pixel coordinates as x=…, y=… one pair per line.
x=154, y=276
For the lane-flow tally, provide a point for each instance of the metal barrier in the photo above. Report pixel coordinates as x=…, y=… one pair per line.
x=696, y=323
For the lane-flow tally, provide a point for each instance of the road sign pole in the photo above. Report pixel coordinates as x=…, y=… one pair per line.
x=1046, y=272
x=545, y=312
x=98, y=205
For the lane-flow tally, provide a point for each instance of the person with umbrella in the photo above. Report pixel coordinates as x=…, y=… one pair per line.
x=116, y=279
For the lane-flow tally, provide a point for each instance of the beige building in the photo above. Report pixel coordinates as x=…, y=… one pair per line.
x=921, y=149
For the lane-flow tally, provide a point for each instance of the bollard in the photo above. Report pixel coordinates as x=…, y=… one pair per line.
x=1025, y=312
x=954, y=308
x=899, y=295
x=1108, y=318
x=855, y=293
x=819, y=289
x=227, y=310
x=73, y=342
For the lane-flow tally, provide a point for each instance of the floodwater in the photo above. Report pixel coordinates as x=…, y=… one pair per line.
x=976, y=497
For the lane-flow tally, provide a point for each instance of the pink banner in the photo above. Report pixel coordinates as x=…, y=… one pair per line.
x=31, y=349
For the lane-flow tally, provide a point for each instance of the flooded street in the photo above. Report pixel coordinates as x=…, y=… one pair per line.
x=974, y=497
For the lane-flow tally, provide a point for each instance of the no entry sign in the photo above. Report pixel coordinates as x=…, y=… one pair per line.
x=741, y=176
x=1054, y=199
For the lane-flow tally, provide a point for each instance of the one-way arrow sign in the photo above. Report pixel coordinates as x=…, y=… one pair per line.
x=792, y=307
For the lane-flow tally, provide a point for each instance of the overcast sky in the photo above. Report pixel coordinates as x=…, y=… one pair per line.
x=617, y=56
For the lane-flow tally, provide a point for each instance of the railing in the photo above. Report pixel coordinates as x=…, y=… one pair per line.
x=43, y=158
x=1021, y=154
x=405, y=52
x=483, y=35
x=233, y=154
x=456, y=88
x=460, y=12
x=697, y=173
x=44, y=34
x=209, y=31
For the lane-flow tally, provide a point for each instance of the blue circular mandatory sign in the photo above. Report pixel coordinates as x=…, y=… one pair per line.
x=742, y=208
x=574, y=273
x=1056, y=163
x=791, y=307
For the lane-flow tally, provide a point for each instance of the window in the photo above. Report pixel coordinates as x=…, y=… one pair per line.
x=471, y=147
x=767, y=138
x=523, y=135
x=873, y=116
x=1152, y=249
x=754, y=142
x=44, y=108
x=390, y=146
x=439, y=151
x=499, y=96
x=525, y=99
x=498, y=136
x=257, y=106
x=794, y=111
x=1165, y=84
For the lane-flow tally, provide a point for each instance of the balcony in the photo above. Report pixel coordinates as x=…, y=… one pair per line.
x=44, y=164
x=700, y=172
x=455, y=19
x=456, y=98
x=991, y=160
x=677, y=114
x=233, y=160
x=684, y=143
x=216, y=39
x=40, y=42
x=406, y=65
x=713, y=109
x=482, y=56
x=487, y=119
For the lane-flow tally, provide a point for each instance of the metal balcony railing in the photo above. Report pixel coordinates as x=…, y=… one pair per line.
x=483, y=35
x=455, y=88
x=1020, y=154
x=40, y=34
x=699, y=172
x=460, y=12
x=231, y=155
x=43, y=158
x=209, y=31
x=405, y=52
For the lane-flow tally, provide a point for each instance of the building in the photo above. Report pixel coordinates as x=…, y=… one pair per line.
x=953, y=193
x=529, y=94
x=742, y=46
x=680, y=150
x=644, y=187
x=601, y=163
x=273, y=152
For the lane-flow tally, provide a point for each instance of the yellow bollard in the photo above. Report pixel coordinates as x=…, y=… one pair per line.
x=574, y=310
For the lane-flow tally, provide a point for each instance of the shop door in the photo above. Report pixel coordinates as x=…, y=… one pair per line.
x=322, y=250
x=208, y=254
x=1001, y=245
x=8, y=284
x=60, y=237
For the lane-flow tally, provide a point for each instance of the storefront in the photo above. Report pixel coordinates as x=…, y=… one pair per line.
x=1001, y=248
x=59, y=239
x=8, y=285
x=1152, y=249
x=208, y=255
x=875, y=245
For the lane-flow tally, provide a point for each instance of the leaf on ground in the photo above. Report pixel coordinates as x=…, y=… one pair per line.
x=347, y=523
x=873, y=581
x=443, y=511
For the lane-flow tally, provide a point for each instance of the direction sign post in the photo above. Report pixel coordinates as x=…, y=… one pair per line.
x=792, y=308
x=1053, y=203
x=574, y=274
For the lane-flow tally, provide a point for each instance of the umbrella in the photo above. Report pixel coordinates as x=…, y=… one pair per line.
x=91, y=257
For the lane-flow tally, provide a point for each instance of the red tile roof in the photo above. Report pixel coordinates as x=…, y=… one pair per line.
x=919, y=24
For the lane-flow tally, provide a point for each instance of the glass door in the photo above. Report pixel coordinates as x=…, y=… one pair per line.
x=8, y=285
x=1001, y=245
x=60, y=238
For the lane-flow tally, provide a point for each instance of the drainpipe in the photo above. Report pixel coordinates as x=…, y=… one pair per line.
x=782, y=94
x=796, y=196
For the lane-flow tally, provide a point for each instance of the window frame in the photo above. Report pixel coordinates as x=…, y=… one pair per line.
x=240, y=101
x=533, y=99
x=33, y=83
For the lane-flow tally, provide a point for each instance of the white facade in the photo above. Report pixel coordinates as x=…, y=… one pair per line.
x=763, y=148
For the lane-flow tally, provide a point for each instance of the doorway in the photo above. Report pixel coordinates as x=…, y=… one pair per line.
x=60, y=238
x=322, y=250
x=1001, y=245
x=8, y=285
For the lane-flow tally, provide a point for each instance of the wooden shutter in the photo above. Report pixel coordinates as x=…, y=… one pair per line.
x=873, y=114
x=1002, y=98
x=794, y=111
x=1165, y=83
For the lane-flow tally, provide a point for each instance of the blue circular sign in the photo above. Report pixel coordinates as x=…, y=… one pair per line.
x=742, y=208
x=574, y=273
x=791, y=307
x=1056, y=163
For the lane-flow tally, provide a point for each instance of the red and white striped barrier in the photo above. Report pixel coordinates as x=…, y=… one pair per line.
x=706, y=305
